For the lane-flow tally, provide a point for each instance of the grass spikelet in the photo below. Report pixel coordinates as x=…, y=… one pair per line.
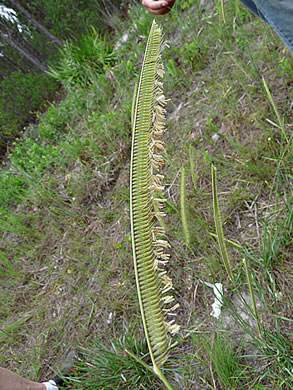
x=154, y=287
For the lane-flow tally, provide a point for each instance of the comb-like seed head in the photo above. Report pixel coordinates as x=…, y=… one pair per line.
x=153, y=284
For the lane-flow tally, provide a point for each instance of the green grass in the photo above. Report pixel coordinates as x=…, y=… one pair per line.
x=65, y=262
x=102, y=367
x=222, y=359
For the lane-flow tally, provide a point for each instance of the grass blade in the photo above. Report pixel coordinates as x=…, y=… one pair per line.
x=252, y=296
x=183, y=207
x=280, y=119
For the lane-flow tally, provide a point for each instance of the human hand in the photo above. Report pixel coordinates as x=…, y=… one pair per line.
x=158, y=7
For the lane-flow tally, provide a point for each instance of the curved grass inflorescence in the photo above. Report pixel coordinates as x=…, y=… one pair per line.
x=148, y=241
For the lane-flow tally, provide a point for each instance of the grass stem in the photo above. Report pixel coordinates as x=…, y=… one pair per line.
x=183, y=207
x=252, y=296
x=280, y=119
x=218, y=224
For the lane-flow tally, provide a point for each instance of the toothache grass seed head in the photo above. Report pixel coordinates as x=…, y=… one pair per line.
x=161, y=99
x=159, y=201
x=167, y=279
x=173, y=328
x=167, y=289
x=159, y=127
x=160, y=205
x=158, y=92
x=167, y=299
x=157, y=158
x=165, y=256
x=157, y=188
x=162, y=262
x=159, y=146
x=173, y=308
x=157, y=178
x=153, y=284
x=161, y=272
x=160, y=73
x=159, y=84
x=159, y=214
x=168, y=284
x=160, y=117
x=158, y=252
x=162, y=243
x=160, y=110
x=157, y=230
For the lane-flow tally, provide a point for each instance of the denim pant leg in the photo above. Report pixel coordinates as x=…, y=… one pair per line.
x=278, y=13
x=253, y=8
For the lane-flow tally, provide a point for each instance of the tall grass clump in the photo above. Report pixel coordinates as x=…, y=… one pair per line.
x=102, y=367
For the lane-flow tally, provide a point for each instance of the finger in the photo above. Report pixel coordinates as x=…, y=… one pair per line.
x=154, y=5
x=161, y=11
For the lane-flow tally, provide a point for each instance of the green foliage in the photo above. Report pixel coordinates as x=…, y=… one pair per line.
x=30, y=158
x=141, y=19
x=211, y=126
x=194, y=54
x=12, y=188
x=108, y=125
x=20, y=95
x=71, y=18
x=218, y=353
x=53, y=124
x=7, y=268
x=23, y=93
x=105, y=368
x=226, y=361
x=14, y=223
x=42, y=147
x=81, y=61
x=284, y=64
x=187, y=4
